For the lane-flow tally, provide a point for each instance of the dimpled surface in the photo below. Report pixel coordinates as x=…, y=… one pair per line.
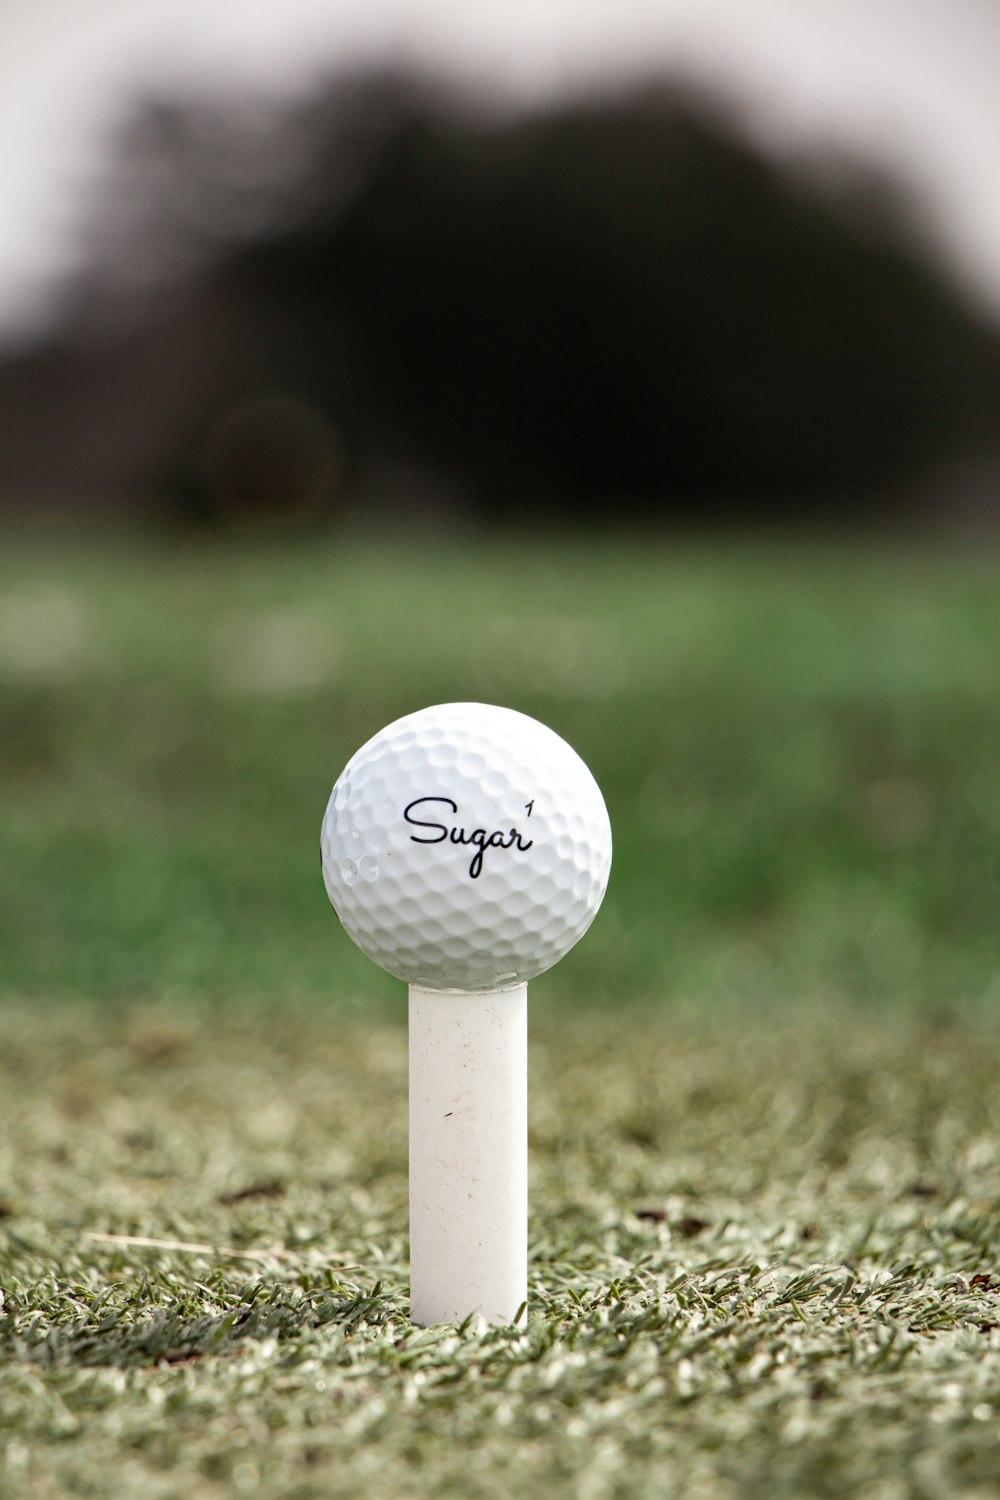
x=466, y=847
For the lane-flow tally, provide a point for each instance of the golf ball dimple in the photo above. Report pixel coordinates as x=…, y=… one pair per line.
x=466, y=847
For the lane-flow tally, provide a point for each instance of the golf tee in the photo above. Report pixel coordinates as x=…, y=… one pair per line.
x=468, y=1155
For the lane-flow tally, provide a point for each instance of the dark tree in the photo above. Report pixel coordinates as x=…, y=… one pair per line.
x=614, y=308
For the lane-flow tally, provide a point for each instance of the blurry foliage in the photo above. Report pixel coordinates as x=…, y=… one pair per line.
x=268, y=455
x=612, y=307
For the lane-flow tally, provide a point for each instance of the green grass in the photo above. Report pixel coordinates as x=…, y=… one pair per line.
x=799, y=755
x=763, y=1264
x=765, y=1171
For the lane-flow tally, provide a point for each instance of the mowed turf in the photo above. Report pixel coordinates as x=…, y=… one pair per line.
x=763, y=1263
x=764, y=1118
x=798, y=750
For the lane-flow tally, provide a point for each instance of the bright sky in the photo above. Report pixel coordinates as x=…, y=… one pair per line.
x=912, y=84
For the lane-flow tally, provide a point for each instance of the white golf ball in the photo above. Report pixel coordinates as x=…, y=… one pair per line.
x=466, y=847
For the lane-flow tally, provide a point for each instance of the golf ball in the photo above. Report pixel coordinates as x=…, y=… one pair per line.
x=466, y=847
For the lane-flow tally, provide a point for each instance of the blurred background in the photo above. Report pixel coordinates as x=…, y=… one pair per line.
x=634, y=365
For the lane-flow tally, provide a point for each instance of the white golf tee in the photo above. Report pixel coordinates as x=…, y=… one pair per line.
x=468, y=1155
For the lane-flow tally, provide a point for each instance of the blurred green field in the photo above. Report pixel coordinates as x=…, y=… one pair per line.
x=798, y=749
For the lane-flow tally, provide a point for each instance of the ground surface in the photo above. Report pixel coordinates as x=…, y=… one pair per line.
x=765, y=1122
x=763, y=1264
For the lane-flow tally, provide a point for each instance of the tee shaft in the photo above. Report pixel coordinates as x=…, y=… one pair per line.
x=468, y=1155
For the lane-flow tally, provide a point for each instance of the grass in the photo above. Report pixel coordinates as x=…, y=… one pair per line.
x=765, y=1171
x=763, y=1263
x=798, y=752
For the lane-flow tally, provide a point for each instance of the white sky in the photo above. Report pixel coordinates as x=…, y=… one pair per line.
x=913, y=84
